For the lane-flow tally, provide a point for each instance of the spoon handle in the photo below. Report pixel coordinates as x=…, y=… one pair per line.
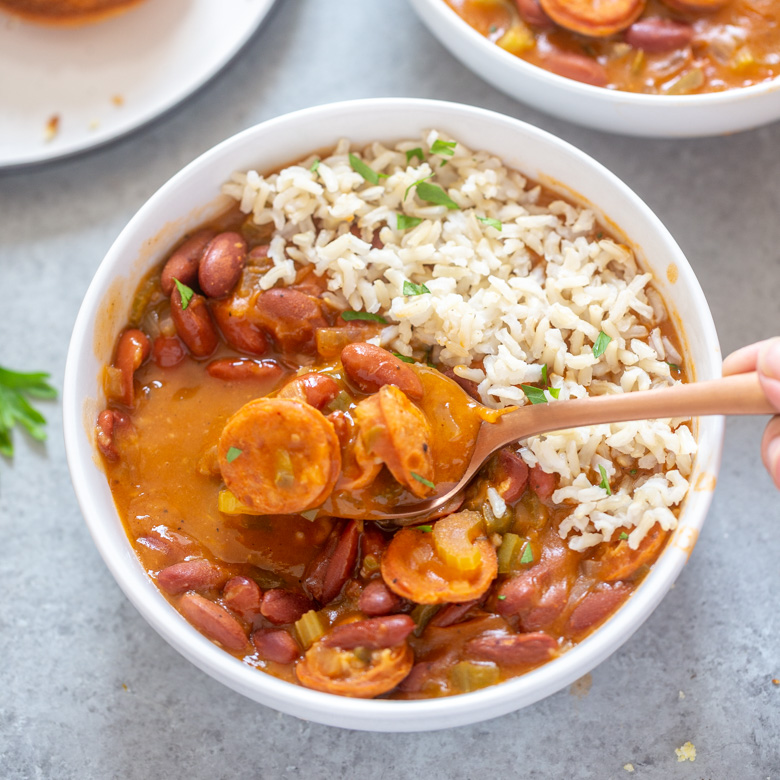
x=738, y=394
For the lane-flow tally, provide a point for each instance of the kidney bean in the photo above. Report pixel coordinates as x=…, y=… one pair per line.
x=240, y=369
x=243, y=596
x=259, y=252
x=416, y=679
x=275, y=644
x=377, y=599
x=199, y=574
x=291, y=317
x=656, y=34
x=183, y=263
x=213, y=621
x=376, y=242
x=172, y=547
x=370, y=367
x=283, y=606
x=466, y=384
x=576, y=66
x=167, y=351
x=341, y=424
x=450, y=614
x=521, y=592
x=110, y=423
x=133, y=349
x=595, y=606
x=318, y=390
x=534, y=14
x=375, y=633
x=333, y=565
x=194, y=324
x=512, y=476
x=233, y=320
x=221, y=265
x=542, y=483
x=514, y=649
x=547, y=608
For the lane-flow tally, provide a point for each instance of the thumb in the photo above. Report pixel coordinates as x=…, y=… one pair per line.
x=769, y=371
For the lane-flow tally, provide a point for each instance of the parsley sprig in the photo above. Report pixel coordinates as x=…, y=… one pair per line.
x=15, y=408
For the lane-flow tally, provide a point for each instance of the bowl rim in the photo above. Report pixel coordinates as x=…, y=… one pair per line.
x=525, y=69
x=378, y=715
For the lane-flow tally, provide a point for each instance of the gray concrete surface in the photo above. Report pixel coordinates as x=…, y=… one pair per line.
x=88, y=689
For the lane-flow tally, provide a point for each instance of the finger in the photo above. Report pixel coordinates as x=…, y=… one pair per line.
x=770, y=449
x=743, y=359
x=769, y=370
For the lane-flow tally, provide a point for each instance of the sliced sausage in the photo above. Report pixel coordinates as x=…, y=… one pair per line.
x=376, y=633
x=133, y=349
x=513, y=649
x=183, y=263
x=221, y=265
x=291, y=317
x=288, y=456
x=199, y=574
x=575, y=66
x=657, y=34
x=594, y=19
x=369, y=367
x=243, y=596
x=283, y=606
x=377, y=599
x=242, y=369
x=213, y=621
x=276, y=644
x=194, y=324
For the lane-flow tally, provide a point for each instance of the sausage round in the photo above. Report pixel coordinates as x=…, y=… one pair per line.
x=595, y=19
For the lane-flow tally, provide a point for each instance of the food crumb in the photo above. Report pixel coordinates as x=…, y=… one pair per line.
x=686, y=753
x=52, y=128
x=94, y=124
x=117, y=100
x=628, y=767
x=775, y=681
x=581, y=688
x=124, y=687
x=682, y=695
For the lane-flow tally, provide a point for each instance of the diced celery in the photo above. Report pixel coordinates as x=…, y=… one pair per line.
x=508, y=553
x=309, y=628
x=453, y=540
x=422, y=615
x=228, y=504
x=497, y=525
x=517, y=39
x=284, y=478
x=638, y=63
x=742, y=60
x=687, y=83
x=467, y=676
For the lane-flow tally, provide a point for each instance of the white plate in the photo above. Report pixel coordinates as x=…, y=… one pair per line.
x=104, y=80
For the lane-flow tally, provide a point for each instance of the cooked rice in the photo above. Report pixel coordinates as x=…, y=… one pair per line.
x=495, y=313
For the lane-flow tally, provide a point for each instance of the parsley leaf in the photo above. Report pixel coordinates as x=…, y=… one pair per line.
x=367, y=172
x=554, y=392
x=623, y=535
x=14, y=407
x=544, y=375
x=490, y=222
x=412, y=153
x=416, y=184
x=424, y=528
x=602, y=341
x=528, y=554
x=604, y=481
x=185, y=292
x=232, y=454
x=673, y=366
x=410, y=288
x=362, y=315
x=443, y=148
x=534, y=394
x=403, y=222
x=425, y=482
x=501, y=597
x=404, y=358
x=314, y=166
x=432, y=193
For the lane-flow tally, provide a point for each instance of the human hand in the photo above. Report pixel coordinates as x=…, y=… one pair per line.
x=763, y=357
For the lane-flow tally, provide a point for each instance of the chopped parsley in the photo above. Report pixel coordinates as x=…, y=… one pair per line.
x=528, y=554
x=426, y=529
x=425, y=482
x=490, y=222
x=501, y=597
x=602, y=341
x=412, y=153
x=443, y=148
x=433, y=193
x=410, y=288
x=15, y=408
x=416, y=184
x=536, y=394
x=404, y=223
x=673, y=366
x=544, y=375
x=366, y=171
x=315, y=166
x=623, y=535
x=404, y=358
x=185, y=292
x=232, y=454
x=604, y=480
x=362, y=315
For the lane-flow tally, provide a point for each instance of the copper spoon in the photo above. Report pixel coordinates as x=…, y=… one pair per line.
x=738, y=394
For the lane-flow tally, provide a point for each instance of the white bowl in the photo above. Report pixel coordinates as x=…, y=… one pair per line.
x=664, y=116
x=191, y=197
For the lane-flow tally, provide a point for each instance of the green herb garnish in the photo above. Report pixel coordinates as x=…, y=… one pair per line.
x=410, y=288
x=314, y=166
x=490, y=222
x=412, y=153
x=528, y=554
x=232, y=454
x=403, y=222
x=426, y=529
x=623, y=535
x=554, y=392
x=433, y=193
x=501, y=597
x=425, y=482
x=14, y=407
x=535, y=394
x=185, y=292
x=443, y=148
x=366, y=171
x=673, y=366
x=362, y=315
x=633, y=471
x=416, y=184
x=601, y=344
x=544, y=375
x=604, y=481
x=404, y=358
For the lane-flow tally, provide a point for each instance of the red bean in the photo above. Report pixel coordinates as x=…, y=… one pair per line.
x=233, y=320
x=576, y=66
x=595, y=606
x=514, y=649
x=534, y=14
x=512, y=475
x=283, y=606
x=241, y=369
x=333, y=565
x=656, y=34
x=172, y=547
x=317, y=390
x=291, y=317
x=243, y=596
x=542, y=483
x=375, y=633
x=467, y=385
x=199, y=574
x=194, y=324
x=377, y=599
x=370, y=367
x=451, y=614
x=110, y=423
x=213, y=621
x=547, y=608
x=275, y=644
x=168, y=351
x=416, y=679
x=133, y=349
x=183, y=263
x=221, y=265
x=341, y=424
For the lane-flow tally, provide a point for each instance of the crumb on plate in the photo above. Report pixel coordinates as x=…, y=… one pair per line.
x=686, y=753
x=52, y=128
